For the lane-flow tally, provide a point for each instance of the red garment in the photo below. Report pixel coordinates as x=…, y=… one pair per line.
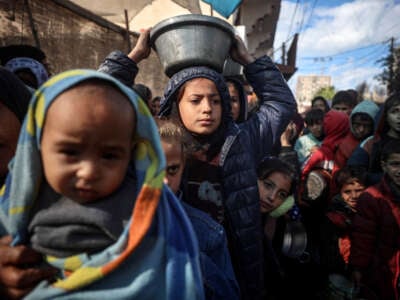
x=336, y=127
x=375, y=240
x=342, y=221
x=345, y=149
x=344, y=247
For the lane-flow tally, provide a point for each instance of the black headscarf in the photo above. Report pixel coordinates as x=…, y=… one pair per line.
x=14, y=94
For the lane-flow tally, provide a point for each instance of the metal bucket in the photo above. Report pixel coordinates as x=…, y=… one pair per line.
x=232, y=68
x=192, y=40
x=294, y=240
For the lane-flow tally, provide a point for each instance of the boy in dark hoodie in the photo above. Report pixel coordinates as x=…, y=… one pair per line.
x=366, y=157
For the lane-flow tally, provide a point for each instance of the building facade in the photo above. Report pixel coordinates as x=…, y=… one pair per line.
x=307, y=87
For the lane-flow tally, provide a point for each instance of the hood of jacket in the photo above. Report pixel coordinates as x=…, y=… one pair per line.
x=367, y=107
x=243, y=113
x=336, y=127
x=14, y=94
x=217, y=138
x=183, y=76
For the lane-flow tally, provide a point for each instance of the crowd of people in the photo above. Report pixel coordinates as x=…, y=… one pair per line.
x=110, y=191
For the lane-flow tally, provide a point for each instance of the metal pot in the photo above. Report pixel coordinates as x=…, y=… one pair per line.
x=192, y=40
x=294, y=240
x=232, y=68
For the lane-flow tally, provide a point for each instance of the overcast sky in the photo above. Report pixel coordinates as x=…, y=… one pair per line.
x=343, y=39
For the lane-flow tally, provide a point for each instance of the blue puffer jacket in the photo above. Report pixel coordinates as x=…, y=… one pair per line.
x=218, y=277
x=120, y=66
x=245, y=145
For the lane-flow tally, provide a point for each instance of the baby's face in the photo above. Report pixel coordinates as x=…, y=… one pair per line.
x=86, y=142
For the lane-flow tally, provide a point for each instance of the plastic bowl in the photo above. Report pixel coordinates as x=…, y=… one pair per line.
x=192, y=40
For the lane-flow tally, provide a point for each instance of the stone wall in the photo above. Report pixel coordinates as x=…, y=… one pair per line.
x=71, y=37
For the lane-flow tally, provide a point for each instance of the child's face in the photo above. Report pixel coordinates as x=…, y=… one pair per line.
x=273, y=190
x=393, y=119
x=9, y=132
x=343, y=108
x=392, y=168
x=316, y=129
x=155, y=107
x=350, y=193
x=200, y=106
x=319, y=104
x=87, y=141
x=362, y=127
x=235, y=102
x=175, y=164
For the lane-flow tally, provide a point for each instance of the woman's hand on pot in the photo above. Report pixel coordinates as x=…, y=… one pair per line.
x=16, y=278
x=239, y=52
x=142, y=48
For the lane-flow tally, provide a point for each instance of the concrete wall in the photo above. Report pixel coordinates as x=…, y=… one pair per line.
x=260, y=19
x=71, y=37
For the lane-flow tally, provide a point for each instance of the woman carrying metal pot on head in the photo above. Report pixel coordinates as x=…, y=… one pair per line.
x=220, y=175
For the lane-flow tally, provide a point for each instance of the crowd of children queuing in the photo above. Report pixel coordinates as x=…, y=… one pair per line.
x=109, y=192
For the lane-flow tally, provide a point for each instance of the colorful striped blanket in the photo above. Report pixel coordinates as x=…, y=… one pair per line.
x=156, y=256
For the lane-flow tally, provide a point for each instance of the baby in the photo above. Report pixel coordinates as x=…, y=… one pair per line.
x=86, y=147
x=86, y=189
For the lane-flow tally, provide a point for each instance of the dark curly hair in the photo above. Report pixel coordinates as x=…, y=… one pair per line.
x=271, y=165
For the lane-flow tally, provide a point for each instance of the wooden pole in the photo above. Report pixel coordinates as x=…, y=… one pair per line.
x=32, y=24
x=128, y=38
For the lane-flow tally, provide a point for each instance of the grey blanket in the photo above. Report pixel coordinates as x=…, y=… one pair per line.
x=62, y=227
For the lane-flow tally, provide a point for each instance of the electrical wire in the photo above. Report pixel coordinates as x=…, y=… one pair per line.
x=291, y=21
x=357, y=62
x=301, y=24
x=346, y=51
x=309, y=18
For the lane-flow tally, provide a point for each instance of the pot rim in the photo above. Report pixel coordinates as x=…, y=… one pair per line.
x=189, y=19
x=291, y=246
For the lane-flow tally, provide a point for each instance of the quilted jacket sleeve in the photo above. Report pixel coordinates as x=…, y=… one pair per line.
x=121, y=67
x=276, y=106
